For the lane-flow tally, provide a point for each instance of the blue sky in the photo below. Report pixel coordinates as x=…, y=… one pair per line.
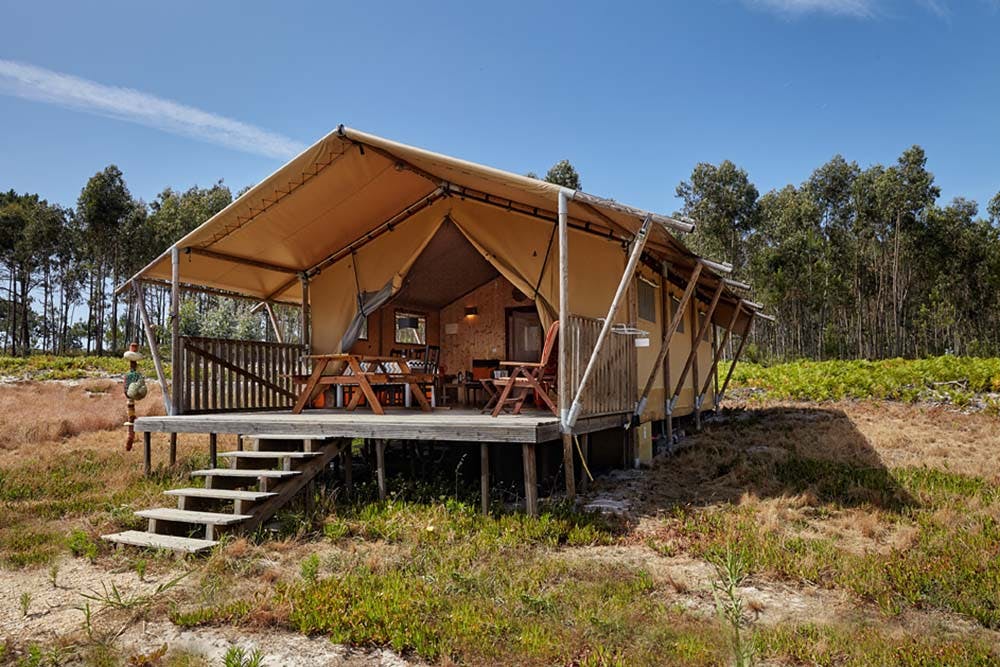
x=634, y=94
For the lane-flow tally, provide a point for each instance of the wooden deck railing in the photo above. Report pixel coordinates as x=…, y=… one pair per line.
x=612, y=387
x=220, y=375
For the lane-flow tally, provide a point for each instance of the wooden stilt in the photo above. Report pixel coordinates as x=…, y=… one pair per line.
x=568, y=465
x=213, y=449
x=530, y=479
x=147, y=453
x=380, y=467
x=173, y=449
x=348, y=466
x=484, y=476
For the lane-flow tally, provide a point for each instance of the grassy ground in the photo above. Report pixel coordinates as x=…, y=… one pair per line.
x=955, y=380
x=792, y=533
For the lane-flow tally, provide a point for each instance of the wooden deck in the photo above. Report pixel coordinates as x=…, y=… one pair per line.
x=397, y=424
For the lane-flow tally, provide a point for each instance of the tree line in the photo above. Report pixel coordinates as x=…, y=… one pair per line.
x=855, y=262
x=61, y=266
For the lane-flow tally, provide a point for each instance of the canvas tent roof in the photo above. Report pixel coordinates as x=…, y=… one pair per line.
x=350, y=187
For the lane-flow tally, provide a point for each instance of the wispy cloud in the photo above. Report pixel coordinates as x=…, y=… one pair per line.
x=44, y=85
x=853, y=8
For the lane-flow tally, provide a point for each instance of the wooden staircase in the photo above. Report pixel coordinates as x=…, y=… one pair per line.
x=238, y=498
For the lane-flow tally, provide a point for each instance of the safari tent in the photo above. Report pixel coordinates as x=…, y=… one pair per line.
x=389, y=250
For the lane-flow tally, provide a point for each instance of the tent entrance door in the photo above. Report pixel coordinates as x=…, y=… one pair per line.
x=524, y=334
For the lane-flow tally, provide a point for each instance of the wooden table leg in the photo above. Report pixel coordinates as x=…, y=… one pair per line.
x=418, y=393
x=366, y=387
x=307, y=392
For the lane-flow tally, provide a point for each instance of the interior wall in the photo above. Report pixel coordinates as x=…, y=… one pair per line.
x=483, y=336
x=382, y=330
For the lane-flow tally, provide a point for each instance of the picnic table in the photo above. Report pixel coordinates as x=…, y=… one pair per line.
x=363, y=372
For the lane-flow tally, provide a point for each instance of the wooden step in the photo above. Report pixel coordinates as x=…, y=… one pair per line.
x=267, y=455
x=286, y=437
x=187, y=516
x=232, y=472
x=138, y=538
x=219, y=494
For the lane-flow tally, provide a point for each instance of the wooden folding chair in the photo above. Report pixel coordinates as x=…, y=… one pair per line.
x=526, y=377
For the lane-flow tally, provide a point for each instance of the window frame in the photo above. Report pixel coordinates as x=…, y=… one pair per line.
x=651, y=287
x=406, y=312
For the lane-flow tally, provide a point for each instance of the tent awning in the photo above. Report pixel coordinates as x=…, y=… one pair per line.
x=349, y=187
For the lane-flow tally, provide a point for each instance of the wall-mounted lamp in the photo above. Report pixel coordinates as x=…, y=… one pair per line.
x=471, y=311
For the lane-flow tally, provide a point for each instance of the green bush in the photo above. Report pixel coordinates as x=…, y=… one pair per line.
x=947, y=378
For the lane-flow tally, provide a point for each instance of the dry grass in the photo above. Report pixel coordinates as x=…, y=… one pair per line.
x=32, y=413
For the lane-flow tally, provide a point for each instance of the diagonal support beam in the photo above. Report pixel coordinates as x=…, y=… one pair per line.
x=719, y=349
x=694, y=348
x=154, y=347
x=278, y=335
x=736, y=358
x=633, y=262
x=675, y=324
x=236, y=259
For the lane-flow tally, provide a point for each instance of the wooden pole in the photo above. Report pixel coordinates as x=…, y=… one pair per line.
x=664, y=354
x=563, y=370
x=568, y=466
x=213, y=450
x=484, y=476
x=147, y=453
x=585, y=459
x=720, y=346
x=633, y=262
x=380, y=467
x=697, y=336
x=173, y=449
x=175, y=329
x=348, y=466
x=736, y=358
x=278, y=336
x=306, y=333
x=530, y=479
x=675, y=324
x=154, y=347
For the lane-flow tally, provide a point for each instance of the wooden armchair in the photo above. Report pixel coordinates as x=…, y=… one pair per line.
x=526, y=377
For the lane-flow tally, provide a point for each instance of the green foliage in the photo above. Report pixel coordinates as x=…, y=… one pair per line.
x=49, y=367
x=81, y=545
x=237, y=656
x=563, y=173
x=947, y=378
x=310, y=569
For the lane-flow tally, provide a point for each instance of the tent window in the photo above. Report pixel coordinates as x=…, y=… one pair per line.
x=411, y=328
x=675, y=305
x=647, y=301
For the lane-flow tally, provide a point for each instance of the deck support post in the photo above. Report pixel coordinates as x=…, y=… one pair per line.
x=348, y=465
x=154, y=347
x=530, y=479
x=175, y=330
x=484, y=476
x=568, y=464
x=147, y=453
x=213, y=450
x=380, y=467
x=736, y=358
x=173, y=449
